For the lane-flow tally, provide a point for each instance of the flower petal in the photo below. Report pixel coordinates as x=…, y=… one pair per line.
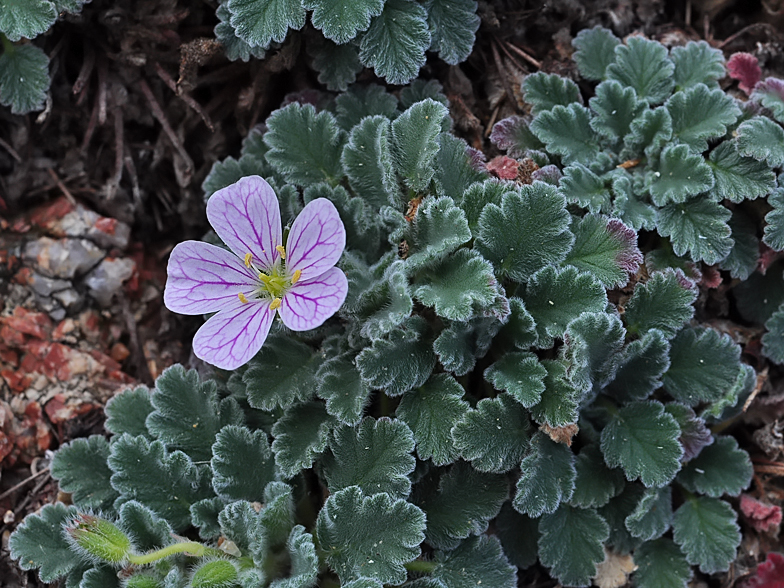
x=246, y=216
x=316, y=240
x=205, y=278
x=234, y=335
x=309, y=303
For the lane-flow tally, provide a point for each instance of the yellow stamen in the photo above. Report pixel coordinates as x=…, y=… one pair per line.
x=275, y=304
x=281, y=250
x=248, y=257
x=242, y=297
x=296, y=276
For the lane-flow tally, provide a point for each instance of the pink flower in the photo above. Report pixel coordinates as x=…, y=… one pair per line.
x=259, y=277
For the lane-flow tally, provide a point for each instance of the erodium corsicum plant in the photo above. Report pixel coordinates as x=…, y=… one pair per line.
x=391, y=36
x=24, y=68
x=505, y=381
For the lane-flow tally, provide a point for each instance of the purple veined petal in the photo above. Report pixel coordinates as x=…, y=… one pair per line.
x=204, y=278
x=234, y=335
x=316, y=240
x=309, y=303
x=246, y=216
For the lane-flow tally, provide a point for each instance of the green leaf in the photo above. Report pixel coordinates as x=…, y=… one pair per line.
x=415, y=140
x=742, y=260
x=555, y=297
x=337, y=65
x=259, y=22
x=518, y=534
x=80, y=468
x=39, y=542
x=681, y=174
x=720, y=468
x=737, y=177
x=478, y=561
x=226, y=172
x=438, y=229
x=369, y=536
x=652, y=516
x=458, y=502
x=660, y=564
x=186, y=415
x=24, y=77
x=374, y=456
x=592, y=342
x=513, y=135
x=431, y=411
x=455, y=172
x=340, y=384
x=570, y=544
x=566, y=130
x=695, y=435
x=543, y=91
x=401, y=362
x=643, y=65
x=520, y=329
x=643, y=440
x=707, y=532
x=616, y=108
x=395, y=44
x=367, y=159
x=127, y=411
x=528, y=231
x=521, y=375
x=558, y=407
x=239, y=523
x=494, y=436
x=26, y=18
x=460, y=344
x=762, y=139
x=595, y=484
x=664, y=303
x=641, y=365
x=615, y=512
x=385, y=304
x=236, y=447
x=147, y=530
x=283, y=373
x=605, y=248
x=341, y=20
x=361, y=101
x=453, y=25
x=703, y=366
x=300, y=436
x=168, y=483
x=548, y=477
x=648, y=134
x=698, y=226
x=697, y=63
x=595, y=51
x=305, y=147
x=234, y=47
x=761, y=295
x=773, y=340
x=304, y=561
x=204, y=515
x=768, y=93
x=419, y=90
x=699, y=114
x=774, y=222
x=579, y=185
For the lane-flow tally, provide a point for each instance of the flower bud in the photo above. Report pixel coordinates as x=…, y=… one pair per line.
x=218, y=573
x=99, y=538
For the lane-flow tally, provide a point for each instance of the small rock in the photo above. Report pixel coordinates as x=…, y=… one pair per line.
x=107, y=279
x=45, y=286
x=69, y=298
x=62, y=258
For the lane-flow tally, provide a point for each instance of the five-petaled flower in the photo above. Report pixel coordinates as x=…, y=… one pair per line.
x=261, y=277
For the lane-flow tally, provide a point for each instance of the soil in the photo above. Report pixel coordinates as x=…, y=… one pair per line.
x=97, y=189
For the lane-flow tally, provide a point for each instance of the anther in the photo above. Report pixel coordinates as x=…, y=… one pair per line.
x=248, y=257
x=242, y=296
x=275, y=304
x=281, y=250
x=296, y=276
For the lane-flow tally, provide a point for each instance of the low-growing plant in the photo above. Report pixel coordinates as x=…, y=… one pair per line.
x=24, y=67
x=505, y=381
x=391, y=36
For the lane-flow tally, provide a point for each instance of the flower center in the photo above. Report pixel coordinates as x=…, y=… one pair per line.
x=275, y=282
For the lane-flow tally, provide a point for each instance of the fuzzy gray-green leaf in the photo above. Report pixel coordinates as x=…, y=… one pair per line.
x=548, y=477
x=259, y=22
x=699, y=114
x=300, y=435
x=664, y=302
x=80, y=467
x=521, y=375
x=39, y=542
x=680, y=175
x=26, y=18
x=698, y=227
x=737, y=177
x=24, y=77
x=566, y=130
x=415, y=142
x=341, y=21
x=661, y=564
x=595, y=51
x=544, y=91
x=762, y=139
x=720, y=468
x=643, y=65
x=235, y=447
x=453, y=25
x=707, y=532
x=697, y=63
